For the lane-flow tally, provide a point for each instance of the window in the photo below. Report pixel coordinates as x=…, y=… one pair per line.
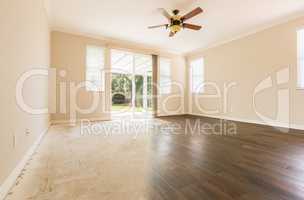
x=94, y=68
x=165, y=75
x=197, y=76
x=121, y=62
x=301, y=58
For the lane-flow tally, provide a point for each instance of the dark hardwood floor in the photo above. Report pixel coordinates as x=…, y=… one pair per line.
x=258, y=162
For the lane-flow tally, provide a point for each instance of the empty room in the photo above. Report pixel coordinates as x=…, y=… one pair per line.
x=152, y=100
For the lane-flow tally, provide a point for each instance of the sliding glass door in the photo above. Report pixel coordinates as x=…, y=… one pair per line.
x=131, y=82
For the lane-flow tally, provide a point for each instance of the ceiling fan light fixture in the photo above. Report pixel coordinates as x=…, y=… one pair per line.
x=175, y=28
x=176, y=22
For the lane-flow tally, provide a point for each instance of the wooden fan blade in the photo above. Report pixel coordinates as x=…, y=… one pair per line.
x=171, y=34
x=165, y=25
x=165, y=13
x=193, y=13
x=192, y=26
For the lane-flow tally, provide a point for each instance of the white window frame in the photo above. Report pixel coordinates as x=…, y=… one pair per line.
x=198, y=88
x=165, y=80
x=99, y=69
x=300, y=55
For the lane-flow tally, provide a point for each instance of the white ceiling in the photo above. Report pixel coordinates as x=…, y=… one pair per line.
x=128, y=19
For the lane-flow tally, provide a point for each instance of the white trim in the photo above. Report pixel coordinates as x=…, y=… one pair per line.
x=170, y=114
x=12, y=178
x=69, y=122
x=250, y=121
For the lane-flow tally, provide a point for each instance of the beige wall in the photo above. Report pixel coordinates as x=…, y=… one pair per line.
x=24, y=43
x=247, y=62
x=68, y=53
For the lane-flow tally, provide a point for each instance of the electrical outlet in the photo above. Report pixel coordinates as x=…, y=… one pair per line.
x=27, y=132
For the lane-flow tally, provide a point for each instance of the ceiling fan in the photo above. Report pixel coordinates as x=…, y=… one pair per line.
x=177, y=22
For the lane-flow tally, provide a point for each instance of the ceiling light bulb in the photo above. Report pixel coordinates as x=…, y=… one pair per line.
x=175, y=28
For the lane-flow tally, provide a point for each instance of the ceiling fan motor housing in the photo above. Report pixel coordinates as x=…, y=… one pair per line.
x=175, y=12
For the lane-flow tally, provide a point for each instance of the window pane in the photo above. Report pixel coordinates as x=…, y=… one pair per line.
x=165, y=67
x=165, y=76
x=197, y=76
x=197, y=85
x=166, y=89
x=301, y=58
x=94, y=68
x=142, y=64
x=94, y=80
x=165, y=80
x=121, y=62
x=95, y=57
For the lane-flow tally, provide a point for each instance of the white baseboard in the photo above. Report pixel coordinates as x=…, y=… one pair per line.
x=11, y=179
x=250, y=121
x=169, y=114
x=68, y=122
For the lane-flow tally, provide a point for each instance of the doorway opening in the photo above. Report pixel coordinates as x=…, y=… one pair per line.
x=131, y=84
